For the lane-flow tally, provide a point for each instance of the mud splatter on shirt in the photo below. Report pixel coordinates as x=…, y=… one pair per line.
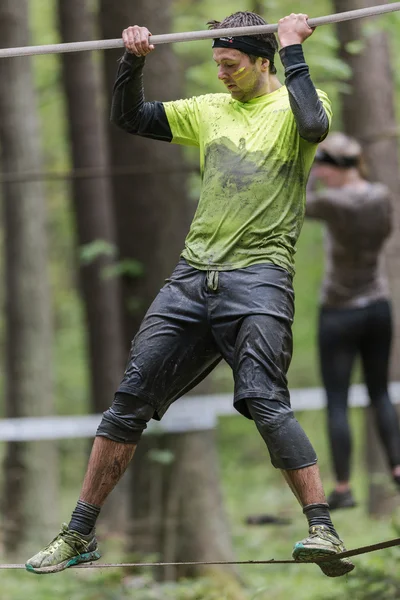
x=254, y=167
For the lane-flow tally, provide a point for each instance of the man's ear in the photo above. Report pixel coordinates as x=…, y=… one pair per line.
x=264, y=64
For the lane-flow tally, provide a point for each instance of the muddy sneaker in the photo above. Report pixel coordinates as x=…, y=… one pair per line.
x=341, y=500
x=69, y=548
x=321, y=542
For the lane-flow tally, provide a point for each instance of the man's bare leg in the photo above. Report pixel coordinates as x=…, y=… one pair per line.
x=107, y=463
x=77, y=542
x=306, y=485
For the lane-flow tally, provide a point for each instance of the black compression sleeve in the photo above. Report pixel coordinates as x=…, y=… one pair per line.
x=129, y=110
x=309, y=113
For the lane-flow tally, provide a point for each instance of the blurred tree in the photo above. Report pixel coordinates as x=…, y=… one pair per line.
x=258, y=6
x=95, y=223
x=30, y=482
x=365, y=47
x=152, y=217
x=151, y=206
x=92, y=203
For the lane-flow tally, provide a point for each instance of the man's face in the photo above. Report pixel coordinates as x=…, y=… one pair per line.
x=241, y=77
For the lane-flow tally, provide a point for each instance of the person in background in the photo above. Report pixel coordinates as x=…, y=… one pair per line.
x=355, y=313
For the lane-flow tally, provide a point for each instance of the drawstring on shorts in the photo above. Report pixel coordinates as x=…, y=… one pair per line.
x=212, y=280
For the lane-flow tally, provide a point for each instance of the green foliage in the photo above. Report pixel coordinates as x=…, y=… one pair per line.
x=199, y=589
x=90, y=252
x=355, y=47
x=109, y=585
x=162, y=457
x=128, y=267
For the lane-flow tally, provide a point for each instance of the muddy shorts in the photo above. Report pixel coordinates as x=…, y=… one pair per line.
x=200, y=317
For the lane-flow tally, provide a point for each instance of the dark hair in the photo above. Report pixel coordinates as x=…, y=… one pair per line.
x=248, y=19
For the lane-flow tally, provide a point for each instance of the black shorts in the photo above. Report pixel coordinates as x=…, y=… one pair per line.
x=198, y=318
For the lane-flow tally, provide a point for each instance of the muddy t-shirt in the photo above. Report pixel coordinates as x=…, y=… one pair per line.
x=358, y=222
x=254, y=168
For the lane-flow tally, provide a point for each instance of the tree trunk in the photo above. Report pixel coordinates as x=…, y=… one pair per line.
x=151, y=207
x=259, y=7
x=152, y=218
x=372, y=95
x=184, y=518
x=92, y=202
x=31, y=478
x=95, y=222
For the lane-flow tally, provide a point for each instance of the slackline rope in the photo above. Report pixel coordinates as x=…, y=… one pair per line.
x=272, y=561
x=196, y=35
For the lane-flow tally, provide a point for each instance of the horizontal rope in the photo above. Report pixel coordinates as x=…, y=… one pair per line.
x=93, y=173
x=196, y=35
x=272, y=561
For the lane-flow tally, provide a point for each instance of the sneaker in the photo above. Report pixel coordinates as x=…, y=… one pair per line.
x=341, y=500
x=321, y=542
x=69, y=548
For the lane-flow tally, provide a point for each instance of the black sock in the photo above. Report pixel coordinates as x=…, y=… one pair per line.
x=318, y=514
x=84, y=517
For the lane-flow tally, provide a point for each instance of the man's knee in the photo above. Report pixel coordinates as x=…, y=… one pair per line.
x=287, y=443
x=126, y=419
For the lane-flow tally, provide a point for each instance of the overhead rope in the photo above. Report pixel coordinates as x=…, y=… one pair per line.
x=272, y=561
x=189, y=36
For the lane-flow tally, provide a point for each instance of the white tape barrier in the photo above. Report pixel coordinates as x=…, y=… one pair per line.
x=194, y=413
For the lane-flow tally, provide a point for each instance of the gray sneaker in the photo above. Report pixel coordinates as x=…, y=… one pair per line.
x=69, y=548
x=320, y=543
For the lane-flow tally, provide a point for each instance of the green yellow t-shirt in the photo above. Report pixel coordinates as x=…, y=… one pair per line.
x=254, y=168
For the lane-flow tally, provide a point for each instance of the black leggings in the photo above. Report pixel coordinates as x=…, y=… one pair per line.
x=343, y=335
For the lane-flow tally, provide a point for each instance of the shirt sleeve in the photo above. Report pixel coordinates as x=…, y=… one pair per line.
x=184, y=120
x=312, y=110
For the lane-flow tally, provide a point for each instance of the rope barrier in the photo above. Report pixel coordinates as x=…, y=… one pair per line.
x=196, y=35
x=272, y=561
x=92, y=173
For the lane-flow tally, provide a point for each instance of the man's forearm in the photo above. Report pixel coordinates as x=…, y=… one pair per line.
x=309, y=113
x=129, y=109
